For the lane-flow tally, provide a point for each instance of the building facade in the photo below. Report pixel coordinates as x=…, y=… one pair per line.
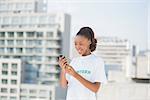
x=29, y=33
x=116, y=54
x=11, y=87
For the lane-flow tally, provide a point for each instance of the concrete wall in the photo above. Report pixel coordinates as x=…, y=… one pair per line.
x=124, y=91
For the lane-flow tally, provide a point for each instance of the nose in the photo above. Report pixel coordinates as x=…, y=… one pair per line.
x=77, y=47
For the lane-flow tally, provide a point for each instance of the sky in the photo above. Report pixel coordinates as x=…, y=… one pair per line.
x=126, y=19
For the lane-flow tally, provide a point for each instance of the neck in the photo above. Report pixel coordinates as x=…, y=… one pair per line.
x=87, y=53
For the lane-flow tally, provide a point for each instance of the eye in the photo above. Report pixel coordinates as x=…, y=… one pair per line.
x=80, y=44
x=75, y=43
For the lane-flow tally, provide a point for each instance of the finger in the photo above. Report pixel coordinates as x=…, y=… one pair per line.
x=61, y=57
x=64, y=61
x=64, y=64
x=67, y=71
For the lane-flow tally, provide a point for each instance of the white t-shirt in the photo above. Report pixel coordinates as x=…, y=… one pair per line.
x=91, y=68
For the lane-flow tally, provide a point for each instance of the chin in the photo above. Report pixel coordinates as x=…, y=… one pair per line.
x=80, y=53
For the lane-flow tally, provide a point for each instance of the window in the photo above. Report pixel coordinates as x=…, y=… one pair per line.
x=3, y=98
x=10, y=34
x=15, y=20
x=43, y=98
x=13, y=81
x=49, y=34
x=13, y=98
x=10, y=50
x=4, y=66
x=19, y=42
x=13, y=73
x=30, y=34
x=33, y=19
x=5, y=20
x=48, y=58
x=2, y=42
x=32, y=91
x=59, y=34
x=27, y=58
x=14, y=66
x=24, y=20
x=4, y=81
x=39, y=42
x=4, y=90
x=23, y=91
x=43, y=19
x=38, y=50
x=29, y=42
x=39, y=34
x=10, y=42
x=2, y=34
x=19, y=34
x=29, y=50
x=13, y=90
x=4, y=72
x=19, y=50
x=2, y=50
x=32, y=98
x=42, y=91
x=23, y=98
x=38, y=58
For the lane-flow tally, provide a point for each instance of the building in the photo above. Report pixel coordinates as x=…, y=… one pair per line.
x=28, y=73
x=26, y=6
x=10, y=79
x=37, y=92
x=124, y=91
x=11, y=87
x=142, y=70
x=29, y=33
x=117, y=55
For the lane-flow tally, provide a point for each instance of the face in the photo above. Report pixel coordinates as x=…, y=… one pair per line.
x=82, y=45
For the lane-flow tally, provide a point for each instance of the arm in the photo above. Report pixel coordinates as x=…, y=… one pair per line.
x=92, y=86
x=63, y=81
x=62, y=64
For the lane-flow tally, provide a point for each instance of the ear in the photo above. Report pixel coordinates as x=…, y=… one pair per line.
x=89, y=42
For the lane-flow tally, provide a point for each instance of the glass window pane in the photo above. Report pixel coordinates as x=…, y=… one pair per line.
x=2, y=34
x=4, y=72
x=13, y=81
x=39, y=34
x=14, y=66
x=13, y=73
x=10, y=50
x=10, y=34
x=10, y=42
x=4, y=66
x=4, y=81
x=2, y=42
x=2, y=50
x=4, y=90
x=19, y=42
x=19, y=34
x=13, y=90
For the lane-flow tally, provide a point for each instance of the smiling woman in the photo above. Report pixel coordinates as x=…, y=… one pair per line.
x=85, y=73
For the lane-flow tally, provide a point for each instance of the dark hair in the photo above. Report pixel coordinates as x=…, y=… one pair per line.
x=89, y=34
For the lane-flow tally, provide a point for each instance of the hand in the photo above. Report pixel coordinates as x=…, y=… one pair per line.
x=62, y=62
x=70, y=70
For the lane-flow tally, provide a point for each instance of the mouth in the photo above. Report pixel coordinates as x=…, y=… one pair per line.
x=80, y=51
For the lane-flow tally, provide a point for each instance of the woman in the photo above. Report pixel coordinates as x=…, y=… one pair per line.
x=84, y=75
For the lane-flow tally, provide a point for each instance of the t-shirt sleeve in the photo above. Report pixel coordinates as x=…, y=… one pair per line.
x=99, y=72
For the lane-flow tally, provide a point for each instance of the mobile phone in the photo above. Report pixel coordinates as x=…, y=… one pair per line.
x=62, y=56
